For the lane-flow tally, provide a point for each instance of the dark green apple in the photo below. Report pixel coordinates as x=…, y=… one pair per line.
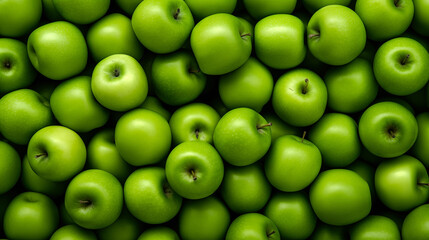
x=252, y=226
x=10, y=167
x=258, y=9
x=128, y=6
x=126, y=227
x=159, y=233
x=203, y=8
x=421, y=21
x=314, y=5
x=420, y=149
x=19, y=18
x=329, y=232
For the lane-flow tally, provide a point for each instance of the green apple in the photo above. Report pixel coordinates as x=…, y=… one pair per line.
x=16, y=70
x=103, y=154
x=57, y=50
x=149, y=197
x=388, y=129
x=402, y=183
x=367, y=172
x=352, y=87
x=221, y=43
x=279, y=127
x=30, y=215
x=340, y=197
x=194, y=169
x=336, y=35
x=375, y=227
x=94, y=199
x=50, y=12
x=245, y=189
x=73, y=232
x=201, y=9
x=400, y=66
x=206, y=218
x=242, y=136
x=113, y=34
x=260, y=9
x=252, y=226
x=19, y=18
x=24, y=113
x=385, y=19
x=329, y=232
x=195, y=121
x=299, y=97
x=128, y=6
x=119, y=82
x=251, y=86
x=419, y=149
x=126, y=227
x=138, y=131
x=162, y=26
x=295, y=157
x=154, y=104
x=81, y=11
x=314, y=5
x=75, y=107
x=65, y=218
x=159, y=233
x=176, y=78
x=279, y=41
x=56, y=153
x=336, y=136
x=10, y=167
x=421, y=21
x=292, y=214
x=415, y=223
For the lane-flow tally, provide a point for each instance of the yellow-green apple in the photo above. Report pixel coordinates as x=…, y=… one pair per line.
x=19, y=18
x=252, y=226
x=154, y=104
x=81, y=11
x=128, y=6
x=73, y=232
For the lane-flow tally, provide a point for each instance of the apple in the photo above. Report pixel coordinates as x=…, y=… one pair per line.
x=415, y=223
x=206, y=218
x=375, y=226
x=336, y=35
x=251, y=86
x=24, y=113
x=252, y=226
x=279, y=41
x=420, y=21
x=387, y=129
x=279, y=127
x=259, y=10
x=57, y=50
x=18, y=18
x=201, y=9
x=162, y=26
x=16, y=70
x=245, y=189
x=128, y=6
x=329, y=232
x=221, y=43
x=75, y=107
x=314, y=5
x=81, y=11
x=56, y=153
x=30, y=215
x=242, y=136
x=10, y=167
x=149, y=197
x=299, y=97
x=119, y=82
x=50, y=12
x=139, y=130
x=73, y=232
x=154, y=104
x=126, y=227
x=367, y=172
x=419, y=149
x=159, y=233
x=94, y=199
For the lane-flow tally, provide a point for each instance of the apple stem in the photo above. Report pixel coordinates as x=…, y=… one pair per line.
x=41, y=155
x=194, y=176
x=405, y=60
x=305, y=89
x=264, y=125
x=423, y=184
x=246, y=34
x=303, y=136
x=176, y=14
x=392, y=133
x=271, y=233
x=313, y=35
x=197, y=133
x=85, y=203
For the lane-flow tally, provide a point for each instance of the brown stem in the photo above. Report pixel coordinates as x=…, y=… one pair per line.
x=271, y=233
x=197, y=133
x=405, y=60
x=264, y=125
x=303, y=136
x=392, y=133
x=194, y=176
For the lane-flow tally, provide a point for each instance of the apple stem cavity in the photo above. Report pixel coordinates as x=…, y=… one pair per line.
x=303, y=136
x=40, y=156
x=7, y=64
x=423, y=184
x=176, y=14
x=305, y=88
x=271, y=233
x=313, y=35
x=85, y=203
x=167, y=190
x=197, y=133
x=405, y=60
x=396, y=2
x=392, y=132
x=194, y=176
x=264, y=125
x=116, y=72
x=246, y=35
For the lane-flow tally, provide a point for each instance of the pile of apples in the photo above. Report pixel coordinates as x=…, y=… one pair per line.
x=214, y=119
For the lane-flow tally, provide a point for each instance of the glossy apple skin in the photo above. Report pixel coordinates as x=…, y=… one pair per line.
x=26, y=112
x=420, y=149
x=105, y=196
x=251, y=86
x=336, y=136
x=397, y=182
x=415, y=223
x=206, y=218
x=126, y=227
x=113, y=34
x=336, y=35
x=74, y=106
x=30, y=215
x=176, y=78
x=252, y=226
x=10, y=167
x=19, y=17
x=221, y=43
x=387, y=129
x=292, y=214
x=57, y=50
x=159, y=233
x=73, y=232
x=314, y=5
x=119, y=82
x=279, y=41
x=298, y=159
x=352, y=87
x=421, y=21
x=81, y=11
x=194, y=169
x=384, y=20
x=56, y=153
x=297, y=104
x=193, y=122
x=139, y=130
x=340, y=197
x=400, y=66
x=162, y=26
x=259, y=10
x=149, y=197
x=245, y=189
x=375, y=227
x=242, y=136
x=201, y=9
x=16, y=70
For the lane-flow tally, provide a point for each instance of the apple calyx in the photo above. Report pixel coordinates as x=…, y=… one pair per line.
x=176, y=14
x=116, y=73
x=405, y=60
x=305, y=88
x=85, y=203
x=271, y=233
